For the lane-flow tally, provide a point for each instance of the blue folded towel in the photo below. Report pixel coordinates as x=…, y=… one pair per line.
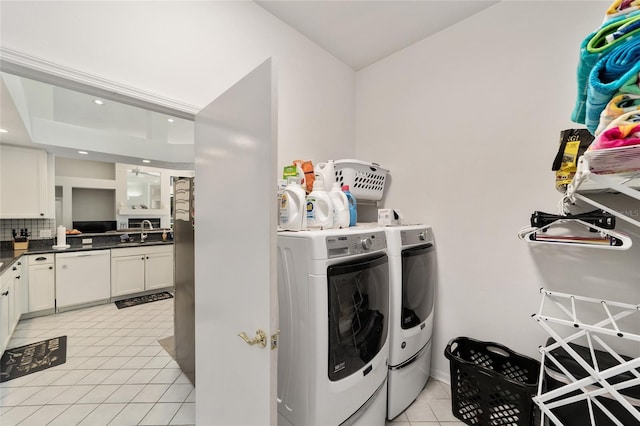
x=593, y=48
x=608, y=75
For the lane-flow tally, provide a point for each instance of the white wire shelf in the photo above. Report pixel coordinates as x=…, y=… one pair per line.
x=607, y=170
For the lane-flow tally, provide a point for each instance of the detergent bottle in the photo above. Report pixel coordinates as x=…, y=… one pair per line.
x=340, y=207
x=282, y=184
x=319, y=207
x=353, y=210
x=326, y=172
x=292, y=214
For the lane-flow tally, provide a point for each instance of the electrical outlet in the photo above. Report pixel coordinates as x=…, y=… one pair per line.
x=87, y=241
x=45, y=233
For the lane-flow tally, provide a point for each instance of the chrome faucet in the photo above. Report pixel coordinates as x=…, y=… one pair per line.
x=143, y=235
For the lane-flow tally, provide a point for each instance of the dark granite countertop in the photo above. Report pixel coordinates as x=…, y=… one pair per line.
x=99, y=242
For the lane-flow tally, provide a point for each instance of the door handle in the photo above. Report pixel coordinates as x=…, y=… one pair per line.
x=260, y=339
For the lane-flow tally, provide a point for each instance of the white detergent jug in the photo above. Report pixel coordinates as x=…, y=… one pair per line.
x=326, y=172
x=319, y=207
x=340, y=206
x=292, y=207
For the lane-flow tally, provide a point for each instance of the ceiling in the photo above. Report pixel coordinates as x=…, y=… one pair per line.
x=360, y=33
x=68, y=122
x=65, y=121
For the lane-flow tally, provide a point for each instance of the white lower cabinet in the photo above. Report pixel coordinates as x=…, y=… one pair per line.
x=158, y=269
x=10, y=303
x=5, y=282
x=138, y=269
x=15, y=297
x=127, y=273
x=42, y=282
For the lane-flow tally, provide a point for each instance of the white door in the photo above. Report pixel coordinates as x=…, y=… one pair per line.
x=235, y=253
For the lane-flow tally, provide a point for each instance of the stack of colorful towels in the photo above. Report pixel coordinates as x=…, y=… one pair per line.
x=608, y=100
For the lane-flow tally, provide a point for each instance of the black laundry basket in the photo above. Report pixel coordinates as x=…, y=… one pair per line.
x=490, y=384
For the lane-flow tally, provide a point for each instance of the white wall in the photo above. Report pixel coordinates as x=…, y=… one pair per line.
x=192, y=52
x=468, y=122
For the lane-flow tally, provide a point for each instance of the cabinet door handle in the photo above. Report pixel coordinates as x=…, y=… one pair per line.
x=51, y=267
x=18, y=277
x=40, y=258
x=6, y=293
x=14, y=268
x=147, y=257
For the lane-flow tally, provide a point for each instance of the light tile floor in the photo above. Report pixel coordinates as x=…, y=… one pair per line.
x=431, y=408
x=116, y=373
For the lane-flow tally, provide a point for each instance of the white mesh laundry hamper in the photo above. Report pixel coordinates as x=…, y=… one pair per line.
x=366, y=180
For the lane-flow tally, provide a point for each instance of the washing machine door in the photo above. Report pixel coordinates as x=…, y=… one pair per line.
x=418, y=284
x=358, y=296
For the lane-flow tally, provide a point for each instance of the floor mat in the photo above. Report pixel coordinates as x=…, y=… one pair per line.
x=143, y=299
x=18, y=362
x=169, y=345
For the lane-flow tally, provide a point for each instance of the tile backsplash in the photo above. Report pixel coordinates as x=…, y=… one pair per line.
x=38, y=228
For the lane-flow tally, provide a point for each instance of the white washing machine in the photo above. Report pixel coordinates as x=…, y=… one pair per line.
x=333, y=296
x=412, y=269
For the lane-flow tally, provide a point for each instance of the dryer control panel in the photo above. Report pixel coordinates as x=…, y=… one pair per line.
x=416, y=236
x=349, y=245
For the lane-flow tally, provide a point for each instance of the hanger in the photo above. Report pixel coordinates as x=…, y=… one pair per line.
x=598, y=224
x=596, y=217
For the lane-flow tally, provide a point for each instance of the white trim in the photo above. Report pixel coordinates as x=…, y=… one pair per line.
x=12, y=58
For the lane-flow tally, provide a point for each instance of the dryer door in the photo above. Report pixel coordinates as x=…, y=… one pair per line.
x=358, y=294
x=418, y=283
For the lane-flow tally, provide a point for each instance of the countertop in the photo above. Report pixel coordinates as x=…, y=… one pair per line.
x=8, y=256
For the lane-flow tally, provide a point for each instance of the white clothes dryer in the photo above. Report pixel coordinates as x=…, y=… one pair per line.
x=412, y=269
x=333, y=296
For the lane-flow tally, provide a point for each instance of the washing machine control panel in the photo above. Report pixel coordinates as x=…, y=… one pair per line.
x=349, y=245
x=416, y=236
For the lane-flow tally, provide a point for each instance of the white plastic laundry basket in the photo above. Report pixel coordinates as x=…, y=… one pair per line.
x=366, y=180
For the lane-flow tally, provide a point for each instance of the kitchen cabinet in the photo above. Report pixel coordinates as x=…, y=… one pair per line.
x=42, y=282
x=5, y=283
x=26, y=187
x=16, y=296
x=82, y=277
x=10, y=303
x=138, y=269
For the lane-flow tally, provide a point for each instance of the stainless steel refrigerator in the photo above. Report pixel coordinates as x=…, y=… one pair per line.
x=184, y=319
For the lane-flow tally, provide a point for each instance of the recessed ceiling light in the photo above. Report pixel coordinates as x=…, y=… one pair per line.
x=98, y=102
x=4, y=131
x=146, y=161
x=170, y=120
x=83, y=152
